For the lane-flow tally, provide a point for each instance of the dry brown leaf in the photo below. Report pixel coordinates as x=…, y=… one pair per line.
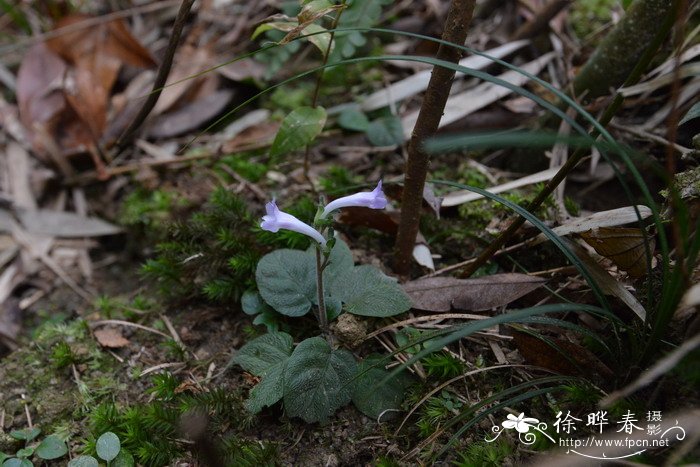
x=479, y=294
x=39, y=84
x=101, y=48
x=623, y=246
x=110, y=337
x=562, y=356
x=88, y=99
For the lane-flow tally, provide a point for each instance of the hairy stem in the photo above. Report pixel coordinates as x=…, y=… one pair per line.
x=576, y=157
x=456, y=25
x=322, y=314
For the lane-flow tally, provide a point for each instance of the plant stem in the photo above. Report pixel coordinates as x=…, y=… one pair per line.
x=317, y=88
x=161, y=77
x=576, y=157
x=458, y=18
x=322, y=315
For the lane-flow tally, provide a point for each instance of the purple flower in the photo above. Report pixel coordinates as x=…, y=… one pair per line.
x=374, y=199
x=276, y=219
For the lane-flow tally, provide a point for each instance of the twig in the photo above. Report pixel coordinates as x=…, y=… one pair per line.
x=26, y=411
x=456, y=26
x=642, y=133
x=128, y=323
x=161, y=77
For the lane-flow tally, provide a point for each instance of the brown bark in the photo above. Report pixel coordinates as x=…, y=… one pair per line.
x=456, y=25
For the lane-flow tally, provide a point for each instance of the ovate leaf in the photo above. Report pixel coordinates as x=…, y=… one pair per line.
x=26, y=434
x=123, y=459
x=264, y=352
x=354, y=120
x=51, y=447
x=385, y=131
x=321, y=41
x=83, y=461
x=299, y=128
x=373, y=394
x=287, y=281
x=317, y=380
x=108, y=446
x=366, y=291
x=269, y=390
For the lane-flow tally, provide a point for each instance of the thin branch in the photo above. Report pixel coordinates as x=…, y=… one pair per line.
x=161, y=77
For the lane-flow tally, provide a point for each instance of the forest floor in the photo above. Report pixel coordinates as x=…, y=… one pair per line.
x=121, y=273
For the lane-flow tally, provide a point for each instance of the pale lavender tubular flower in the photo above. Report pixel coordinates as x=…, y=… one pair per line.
x=276, y=219
x=374, y=199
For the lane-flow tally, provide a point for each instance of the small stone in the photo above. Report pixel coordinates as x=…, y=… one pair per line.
x=350, y=329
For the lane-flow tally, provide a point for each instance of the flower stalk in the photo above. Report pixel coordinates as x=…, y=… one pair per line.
x=321, y=233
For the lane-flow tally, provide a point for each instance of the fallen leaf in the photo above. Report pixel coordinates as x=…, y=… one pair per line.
x=608, y=284
x=191, y=116
x=423, y=256
x=456, y=198
x=559, y=355
x=623, y=246
x=110, y=337
x=64, y=224
x=99, y=51
x=462, y=104
x=39, y=82
x=479, y=294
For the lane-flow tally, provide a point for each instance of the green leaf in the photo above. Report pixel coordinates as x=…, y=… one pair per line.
x=51, y=447
x=252, y=303
x=339, y=263
x=693, y=113
x=108, y=446
x=14, y=462
x=26, y=434
x=385, y=131
x=285, y=26
x=317, y=380
x=287, y=281
x=3, y=456
x=83, y=461
x=299, y=128
x=269, y=390
x=366, y=291
x=123, y=459
x=321, y=42
x=372, y=393
x=354, y=120
x=264, y=352
x=24, y=452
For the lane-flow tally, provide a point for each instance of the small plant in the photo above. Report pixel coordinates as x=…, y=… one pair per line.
x=485, y=454
x=108, y=449
x=314, y=379
x=51, y=447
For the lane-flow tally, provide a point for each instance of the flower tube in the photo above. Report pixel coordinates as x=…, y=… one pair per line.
x=276, y=220
x=374, y=199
